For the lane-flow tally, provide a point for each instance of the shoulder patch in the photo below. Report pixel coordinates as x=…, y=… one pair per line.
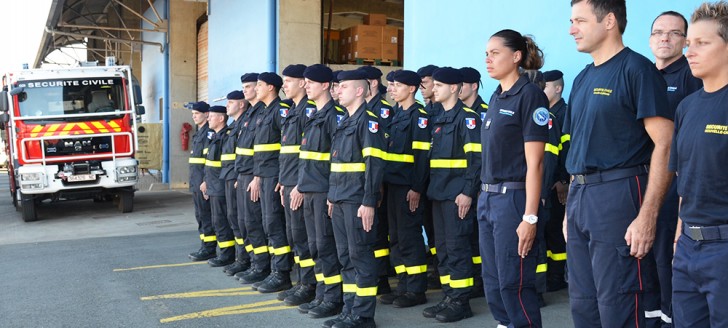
x=371, y=114
x=422, y=122
x=210, y=134
x=384, y=112
x=468, y=110
x=541, y=116
x=284, y=111
x=373, y=126
x=470, y=123
x=310, y=111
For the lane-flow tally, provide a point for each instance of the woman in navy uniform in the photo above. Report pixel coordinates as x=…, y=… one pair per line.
x=197, y=173
x=513, y=137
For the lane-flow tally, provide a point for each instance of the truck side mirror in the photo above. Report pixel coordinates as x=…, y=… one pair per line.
x=137, y=94
x=140, y=110
x=4, y=102
x=4, y=119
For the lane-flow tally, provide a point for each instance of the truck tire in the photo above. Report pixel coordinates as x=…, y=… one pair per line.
x=28, y=204
x=126, y=201
x=15, y=200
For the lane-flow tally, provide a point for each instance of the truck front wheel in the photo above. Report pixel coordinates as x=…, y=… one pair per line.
x=126, y=201
x=27, y=202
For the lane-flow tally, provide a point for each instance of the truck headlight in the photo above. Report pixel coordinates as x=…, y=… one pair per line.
x=127, y=170
x=31, y=176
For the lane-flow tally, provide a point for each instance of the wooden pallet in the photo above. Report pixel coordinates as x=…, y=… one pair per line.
x=378, y=62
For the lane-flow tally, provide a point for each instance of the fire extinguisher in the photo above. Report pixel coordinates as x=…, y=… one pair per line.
x=184, y=135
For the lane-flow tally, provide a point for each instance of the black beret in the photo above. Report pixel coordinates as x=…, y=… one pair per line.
x=318, y=73
x=295, y=71
x=470, y=75
x=199, y=106
x=390, y=76
x=447, y=75
x=218, y=109
x=249, y=77
x=407, y=77
x=335, y=76
x=372, y=72
x=235, y=95
x=551, y=76
x=271, y=78
x=355, y=74
x=426, y=70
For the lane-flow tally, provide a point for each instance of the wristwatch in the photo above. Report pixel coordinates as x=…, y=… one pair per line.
x=530, y=218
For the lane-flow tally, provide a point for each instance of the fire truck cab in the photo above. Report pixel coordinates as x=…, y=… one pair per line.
x=70, y=134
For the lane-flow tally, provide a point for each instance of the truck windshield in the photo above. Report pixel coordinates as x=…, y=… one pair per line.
x=72, y=96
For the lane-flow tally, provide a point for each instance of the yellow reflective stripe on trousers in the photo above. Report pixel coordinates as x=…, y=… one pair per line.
x=227, y=157
x=448, y=164
x=204, y=151
x=307, y=263
x=444, y=280
x=366, y=291
x=267, y=147
x=403, y=158
x=400, y=269
x=208, y=239
x=248, y=248
x=260, y=250
x=473, y=147
x=556, y=256
x=374, y=152
x=381, y=252
x=320, y=277
x=417, y=269
x=197, y=160
x=552, y=149
x=280, y=250
x=244, y=151
x=226, y=244
x=333, y=280
x=477, y=260
x=348, y=167
x=461, y=283
x=348, y=288
x=213, y=163
x=543, y=267
x=420, y=145
x=295, y=149
x=239, y=241
x=433, y=251
x=314, y=156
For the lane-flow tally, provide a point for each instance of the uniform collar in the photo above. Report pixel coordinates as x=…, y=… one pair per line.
x=478, y=103
x=359, y=112
x=558, y=106
x=677, y=65
x=454, y=111
x=375, y=100
x=514, y=90
x=273, y=103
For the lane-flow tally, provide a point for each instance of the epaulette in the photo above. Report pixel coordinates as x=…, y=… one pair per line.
x=311, y=102
x=386, y=103
x=419, y=102
x=484, y=105
x=339, y=109
x=285, y=105
x=371, y=114
x=468, y=110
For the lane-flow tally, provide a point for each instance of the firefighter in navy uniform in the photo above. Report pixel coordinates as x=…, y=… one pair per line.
x=454, y=166
x=313, y=183
x=379, y=106
x=236, y=106
x=292, y=133
x=357, y=167
x=407, y=168
x=197, y=173
x=213, y=188
x=266, y=152
x=251, y=216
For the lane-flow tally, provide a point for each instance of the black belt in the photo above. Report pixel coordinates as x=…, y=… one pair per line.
x=706, y=233
x=610, y=175
x=502, y=187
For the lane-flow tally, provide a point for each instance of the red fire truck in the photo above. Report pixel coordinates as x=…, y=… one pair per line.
x=70, y=134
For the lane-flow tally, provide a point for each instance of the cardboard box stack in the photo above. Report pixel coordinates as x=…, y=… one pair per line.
x=373, y=40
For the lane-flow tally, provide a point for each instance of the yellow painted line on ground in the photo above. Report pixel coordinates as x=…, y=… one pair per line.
x=231, y=310
x=205, y=293
x=160, y=266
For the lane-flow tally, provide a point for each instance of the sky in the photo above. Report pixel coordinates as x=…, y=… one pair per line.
x=23, y=26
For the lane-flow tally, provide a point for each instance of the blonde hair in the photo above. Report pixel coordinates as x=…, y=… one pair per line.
x=717, y=12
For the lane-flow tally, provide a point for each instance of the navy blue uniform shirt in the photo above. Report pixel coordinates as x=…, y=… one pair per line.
x=315, y=158
x=517, y=116
x=197, y=156
x=383, y=109
x=292, y=133
x=228, y=150
x=246, y=138
x=213, y=165
x=481, y=107
x=680, y=81
x=267, y=145
x=559, y=113
x=699, y=156
x=408, y=145
x=606, y=108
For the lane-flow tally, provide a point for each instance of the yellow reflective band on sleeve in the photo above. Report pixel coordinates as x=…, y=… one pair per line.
x=227, y=157
x=556, y=256
x=477, y=260
x=472, y=148
x=213, y=163
x=226, y=244
x=433, y=251
x=417, y=269
x=334, y=280
x=366, y=291
x=314, y=156
x=448, y=164
x=461, y=283
x=267, y=147
x=552, y=149
x=543, y=267
x=402, y=158
x=381, y=252
x=290, y=149
x=204, y=151
x=248, y=248
x=445, y=280
x=420, y=145
x=565, y=138
x=280, y=250
x=296, y=259
x=244, y=151
x=320, y=277
x=374, y=152
x=348, y=167
x=197, y=160
x=260, y=250
x=307, y=263
x=239, y=241
x=348, y=288
x=400, y=269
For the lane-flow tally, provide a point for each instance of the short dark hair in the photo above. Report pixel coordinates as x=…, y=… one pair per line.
x=602, y=8
x=674, y=14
